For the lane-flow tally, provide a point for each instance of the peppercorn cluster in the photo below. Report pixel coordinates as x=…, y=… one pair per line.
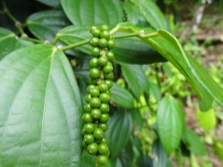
x=96, y=109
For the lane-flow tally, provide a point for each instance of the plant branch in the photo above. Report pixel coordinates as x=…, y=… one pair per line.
x=32, y=39
x=75, y=45
x=8, y=13
x=126, y=35
x=55, y=40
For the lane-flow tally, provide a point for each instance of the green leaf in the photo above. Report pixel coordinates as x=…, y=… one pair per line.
x=134, y=51
x=160, y=158
x=194, y=144
x=120, y=128
x=45, y=24
x=169, y=123
x=41, y=109
x=154, y=90
x=152, y=13
x=93, y=12
x=8, y=42
x=132, y=12
x=122, y=96
x=51, y=3
x=75, y=34
x=207, y=120
x=168, y=46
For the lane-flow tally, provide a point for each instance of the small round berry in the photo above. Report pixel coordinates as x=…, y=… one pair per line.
x=107, y=69
x=93, y=28
x=95, y=51
x=109, y=83
x=87, y=108
x=92, y=148
x=109, y=93
x=102, y=61
x=104, y=97
x=96, y=113
x=102, y=159
x=93, y=63
x=103, y=126
x=84, y=145
x=104, y=140
x=111, y=44
x=94, y=73
x=102, y=43
x=103, y=87
x=104, y=118
x=96, y=32
x=109, y=76
x=90, y=87
x=95, y=102
x=110, y=56
x=104, y=27
x=104, y=107
x=94, y=41
x=89, y=128
x=105, y=34
x=98, y=133
x=103, y=148
x=89, y=138
x=94, y=92
x=87, y=118
x=108, y=153
x=88, y=98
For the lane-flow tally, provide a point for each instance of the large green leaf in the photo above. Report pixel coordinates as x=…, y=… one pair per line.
x=160, y=158
x=168, y=46
x=85, y=12
x=131, y=50
x=152, y=13
x=41, y=109
x=45, y=24
x=135, y=78
x=8, y=42
x=193, y=142
x=169, y=123
x=120, y=128
x=132, y=12
x=122, y=96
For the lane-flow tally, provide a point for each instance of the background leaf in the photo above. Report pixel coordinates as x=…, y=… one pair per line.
x=8, y=42
x=169, y=123
x=132, y=12
x=51, y=3
x=152, y=13
x=122, y=96
x=41, y=109
x=118, y=134
x=93, y=12
x=193, y=142
x=160, y=158
x=207, y=120
x=45, y=24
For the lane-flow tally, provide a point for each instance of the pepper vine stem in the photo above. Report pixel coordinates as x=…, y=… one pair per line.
x=32, y=40
x=133, y=34
x=17, y=23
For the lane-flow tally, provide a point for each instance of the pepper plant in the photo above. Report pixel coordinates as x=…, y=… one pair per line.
x=59, y=85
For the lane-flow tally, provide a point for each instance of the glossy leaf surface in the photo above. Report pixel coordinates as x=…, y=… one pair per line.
x=41, y=109
x=169, y=123
x=152, y=13
x=160, y=157
x=193, y=142
x=168, y=46
x=122, y=96
x=120, y=128
x=8, y=42
x=45, y=24
x=93, y=12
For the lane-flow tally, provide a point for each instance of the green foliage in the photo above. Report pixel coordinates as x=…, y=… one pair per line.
x=46, y=66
